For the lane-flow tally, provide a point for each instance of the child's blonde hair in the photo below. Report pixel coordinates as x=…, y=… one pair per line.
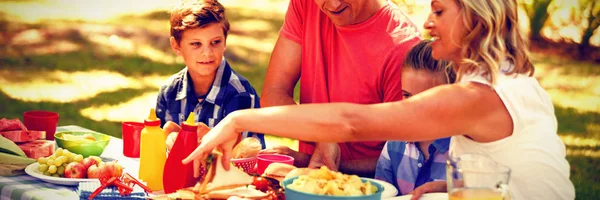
x=419, y=58
x=197, y=14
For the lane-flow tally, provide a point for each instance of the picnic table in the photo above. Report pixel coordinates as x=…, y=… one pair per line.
x=25, y=187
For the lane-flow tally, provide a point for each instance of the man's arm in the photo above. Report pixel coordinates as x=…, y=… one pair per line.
x=283, y=73
x=361, y=167
x=300, y=159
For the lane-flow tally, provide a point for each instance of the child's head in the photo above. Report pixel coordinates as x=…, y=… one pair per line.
x=198, y=33
x=478, y=35
x=420, y=71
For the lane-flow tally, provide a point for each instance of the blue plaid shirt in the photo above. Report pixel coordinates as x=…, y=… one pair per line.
x=403, y=164
x=230, y=92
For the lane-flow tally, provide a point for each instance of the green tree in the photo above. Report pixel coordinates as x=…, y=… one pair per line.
x=537, y=11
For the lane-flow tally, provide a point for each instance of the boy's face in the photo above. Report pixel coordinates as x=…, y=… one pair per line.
x=417, y=81
x=201, y=48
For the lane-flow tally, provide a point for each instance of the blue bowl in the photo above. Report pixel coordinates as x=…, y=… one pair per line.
x=291, y=194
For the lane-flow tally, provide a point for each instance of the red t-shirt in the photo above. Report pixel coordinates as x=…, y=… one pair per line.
x=358, y=63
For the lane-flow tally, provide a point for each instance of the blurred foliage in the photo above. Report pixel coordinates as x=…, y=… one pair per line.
x=537, y=11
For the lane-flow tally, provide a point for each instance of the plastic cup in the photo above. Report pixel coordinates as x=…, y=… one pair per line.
x=41, y=120
x=265, y=160
x=131, y=133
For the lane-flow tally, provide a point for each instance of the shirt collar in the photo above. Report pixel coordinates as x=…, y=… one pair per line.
x=212, y=95
x=442, y=145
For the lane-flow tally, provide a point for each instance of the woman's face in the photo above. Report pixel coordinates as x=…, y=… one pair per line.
x=416, y=81
x=446, y=28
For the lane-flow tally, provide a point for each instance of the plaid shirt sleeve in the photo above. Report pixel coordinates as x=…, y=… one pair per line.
x=241, y=101
x=385, y=170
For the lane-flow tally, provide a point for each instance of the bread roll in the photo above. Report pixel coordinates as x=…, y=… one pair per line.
x=247, y=148
x=298, y=172
x=170, y=127
x=278, y=170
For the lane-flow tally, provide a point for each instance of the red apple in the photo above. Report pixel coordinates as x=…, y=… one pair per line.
x=75, y=170
x=99, y=171
x=87, y=162
x=115, y=168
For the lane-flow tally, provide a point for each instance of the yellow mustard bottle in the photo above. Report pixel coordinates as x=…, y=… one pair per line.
x=152, y=153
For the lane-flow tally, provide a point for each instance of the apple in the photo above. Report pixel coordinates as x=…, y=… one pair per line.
x=115, y=168
x=88, y=162
x=75, y=170
x=96, y=158
x=99, y=171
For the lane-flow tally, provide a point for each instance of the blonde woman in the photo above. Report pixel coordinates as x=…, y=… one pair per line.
x=496, y=108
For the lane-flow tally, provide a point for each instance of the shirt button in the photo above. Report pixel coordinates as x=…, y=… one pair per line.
x=419, y=165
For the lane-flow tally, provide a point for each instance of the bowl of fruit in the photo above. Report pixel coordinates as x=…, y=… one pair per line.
x=84, y=143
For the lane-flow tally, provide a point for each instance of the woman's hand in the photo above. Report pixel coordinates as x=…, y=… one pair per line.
x=223, y=136
x=435, y=186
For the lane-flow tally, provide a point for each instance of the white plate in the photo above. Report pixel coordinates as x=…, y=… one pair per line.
x=32, y=170
x=428, y=196
x=388, y=189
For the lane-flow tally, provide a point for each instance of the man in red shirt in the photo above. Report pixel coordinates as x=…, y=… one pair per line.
x=342, y=51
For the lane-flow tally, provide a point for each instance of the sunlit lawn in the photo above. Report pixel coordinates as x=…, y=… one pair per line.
x=97, y=70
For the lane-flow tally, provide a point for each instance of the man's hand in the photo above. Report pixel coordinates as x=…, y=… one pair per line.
x=435, y=186
x=326, y=154
x=300, y=159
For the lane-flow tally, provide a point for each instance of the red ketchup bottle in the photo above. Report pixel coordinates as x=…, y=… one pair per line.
x=177, y=175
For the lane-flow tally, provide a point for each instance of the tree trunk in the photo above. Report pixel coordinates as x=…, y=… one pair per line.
x=538, y=14
x=593, y=24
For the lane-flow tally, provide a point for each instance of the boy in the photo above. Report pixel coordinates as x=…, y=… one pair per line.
x=207, y=86
x=408, y=165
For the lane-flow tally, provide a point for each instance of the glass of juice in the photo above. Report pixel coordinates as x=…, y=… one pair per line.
x=476, y=177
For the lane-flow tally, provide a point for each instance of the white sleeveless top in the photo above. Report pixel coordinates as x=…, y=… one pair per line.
x=534, y=152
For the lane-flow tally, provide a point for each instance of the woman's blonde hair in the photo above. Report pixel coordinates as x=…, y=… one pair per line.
x=492, y=30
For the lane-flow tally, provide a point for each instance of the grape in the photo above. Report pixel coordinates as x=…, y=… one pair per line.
x=42, y=160
x=57, y=162
x=55, y=175
x=63, y=158
x=52, y=157
x=43, y=168
x=78, y=158
x=47, y=173
x=67, y=154
x=60, y=170
x=64, y=165
x=52, y=169
x=58, y=152
x=50, y=162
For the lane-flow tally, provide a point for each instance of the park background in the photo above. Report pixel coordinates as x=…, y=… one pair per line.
x=98, y=63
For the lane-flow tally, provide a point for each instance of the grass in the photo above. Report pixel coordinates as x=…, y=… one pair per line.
x=93, y=73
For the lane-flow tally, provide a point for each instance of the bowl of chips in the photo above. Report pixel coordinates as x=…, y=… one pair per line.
x=323, y=184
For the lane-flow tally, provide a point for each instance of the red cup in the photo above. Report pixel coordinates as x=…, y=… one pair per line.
x=41, y=120
x=131, y=134
x=265, y=160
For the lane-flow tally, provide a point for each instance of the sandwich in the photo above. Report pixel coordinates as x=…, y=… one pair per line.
x=219, y=183
x=217, y=178
x=278, y=171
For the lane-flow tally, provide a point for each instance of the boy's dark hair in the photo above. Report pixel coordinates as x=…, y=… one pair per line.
x=419, y=58
x=197, y=14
